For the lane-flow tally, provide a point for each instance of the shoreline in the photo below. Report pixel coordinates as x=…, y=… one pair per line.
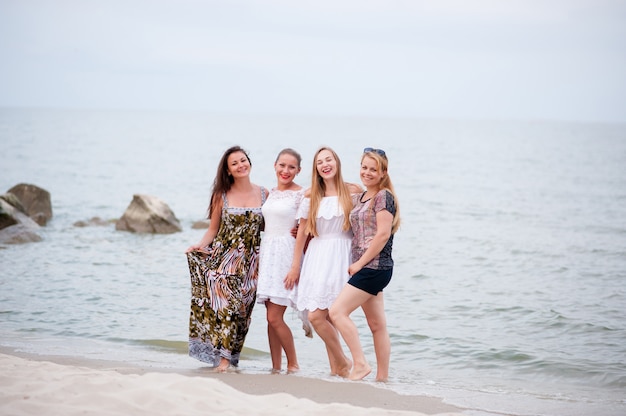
x=26, y=374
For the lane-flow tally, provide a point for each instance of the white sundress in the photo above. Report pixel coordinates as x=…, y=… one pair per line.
x=277, y=246
x=325, y=266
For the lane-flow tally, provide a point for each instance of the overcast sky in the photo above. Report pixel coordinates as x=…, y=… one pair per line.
x=488, y=59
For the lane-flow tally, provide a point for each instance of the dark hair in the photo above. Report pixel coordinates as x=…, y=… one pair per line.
x=290, y=151
x=223, y=180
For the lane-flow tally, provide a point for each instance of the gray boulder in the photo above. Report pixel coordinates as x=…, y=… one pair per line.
x=35, y=200
x=94, y=221
x=200, y=225
x=19, y=234
x=9, y=206
x=15, y=226
x=148, y=214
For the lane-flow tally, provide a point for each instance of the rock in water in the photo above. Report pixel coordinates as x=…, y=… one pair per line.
x=35, y=200
x=148, y=214
x=16, y=227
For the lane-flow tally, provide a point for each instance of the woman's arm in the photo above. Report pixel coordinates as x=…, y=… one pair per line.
x=211, y=232
x=293, y=276
x=354, y=188
x=384, y=219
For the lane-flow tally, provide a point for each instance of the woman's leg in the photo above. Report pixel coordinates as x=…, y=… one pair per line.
x=374, y=310
x=339, y=364
x=281, y=338
x=348, y=300
x=274, y=343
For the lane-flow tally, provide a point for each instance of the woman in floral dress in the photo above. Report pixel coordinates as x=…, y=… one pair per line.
x=224, y=264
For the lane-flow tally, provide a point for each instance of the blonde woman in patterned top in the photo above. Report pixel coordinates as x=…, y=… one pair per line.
x=374, y=219
x=224, y=264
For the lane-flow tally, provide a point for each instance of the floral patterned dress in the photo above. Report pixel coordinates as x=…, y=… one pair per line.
x=223, y=286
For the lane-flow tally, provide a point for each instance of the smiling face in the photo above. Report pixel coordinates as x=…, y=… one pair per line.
x=371, y=175
x=286, y=168
x=238, y=165
x=326, y=164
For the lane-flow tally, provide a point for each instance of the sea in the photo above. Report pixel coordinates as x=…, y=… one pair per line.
x=508, y=295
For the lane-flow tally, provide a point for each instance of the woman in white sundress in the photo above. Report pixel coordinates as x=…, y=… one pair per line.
x=277, y=247
x=324, y=215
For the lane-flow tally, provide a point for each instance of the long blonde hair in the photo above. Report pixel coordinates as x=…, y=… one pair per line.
x=383, y=166
x=318, y=189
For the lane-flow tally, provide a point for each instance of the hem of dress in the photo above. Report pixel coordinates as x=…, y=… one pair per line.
x=207, y=353
x=276, y=300
x=312, y=308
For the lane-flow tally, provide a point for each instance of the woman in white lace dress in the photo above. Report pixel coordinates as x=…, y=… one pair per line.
x=324, y=215
x=277, y=247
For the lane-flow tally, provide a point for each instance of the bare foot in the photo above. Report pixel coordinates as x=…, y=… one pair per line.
x=344, y=370
x=292, y=369
x=221, y=369
x=308, y=329
x=360, y=372
x=382, y=379
x=275, y=371
x=306, y=324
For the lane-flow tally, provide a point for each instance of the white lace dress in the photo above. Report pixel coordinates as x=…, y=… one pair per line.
x=325, y=266
x=277, y=245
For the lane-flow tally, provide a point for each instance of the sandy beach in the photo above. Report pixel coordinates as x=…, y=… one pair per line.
x=59, y=385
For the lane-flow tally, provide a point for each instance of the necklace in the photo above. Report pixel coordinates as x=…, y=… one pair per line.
x=362, y=196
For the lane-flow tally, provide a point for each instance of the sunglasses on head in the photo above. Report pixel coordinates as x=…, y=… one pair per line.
x=377, y=151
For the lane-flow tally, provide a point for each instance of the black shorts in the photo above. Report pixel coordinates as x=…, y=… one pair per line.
x=370, y=280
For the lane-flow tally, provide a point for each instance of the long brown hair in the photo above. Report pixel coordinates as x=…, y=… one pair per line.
x=223, y=180
x=318, y=189
x=385, y=183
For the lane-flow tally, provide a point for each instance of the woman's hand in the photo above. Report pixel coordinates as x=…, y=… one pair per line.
x=354, y=268
x=198, y=247
x=191, y=248
x=292, y=278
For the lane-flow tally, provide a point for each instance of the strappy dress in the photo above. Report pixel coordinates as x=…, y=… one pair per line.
x=223, y=286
